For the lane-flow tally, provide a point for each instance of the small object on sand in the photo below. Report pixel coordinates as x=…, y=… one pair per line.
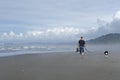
x=106, y=52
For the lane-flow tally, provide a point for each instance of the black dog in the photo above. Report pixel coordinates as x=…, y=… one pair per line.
x=77, y=49
x=106, y=52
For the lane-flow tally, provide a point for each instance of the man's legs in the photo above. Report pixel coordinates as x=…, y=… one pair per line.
x=81, y=49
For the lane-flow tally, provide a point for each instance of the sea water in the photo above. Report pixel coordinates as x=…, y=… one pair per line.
x=11, y=50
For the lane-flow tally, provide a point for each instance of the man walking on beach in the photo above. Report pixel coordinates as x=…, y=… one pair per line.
x=81, y=45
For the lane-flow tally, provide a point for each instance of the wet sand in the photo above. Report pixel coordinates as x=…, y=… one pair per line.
x=60, y=66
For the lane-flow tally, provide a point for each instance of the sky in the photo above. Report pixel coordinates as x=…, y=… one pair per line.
x=55, y=20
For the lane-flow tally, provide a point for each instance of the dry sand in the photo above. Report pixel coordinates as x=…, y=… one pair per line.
x=60, y=66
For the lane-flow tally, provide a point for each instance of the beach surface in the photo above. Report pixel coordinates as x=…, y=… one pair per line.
x=60, y=66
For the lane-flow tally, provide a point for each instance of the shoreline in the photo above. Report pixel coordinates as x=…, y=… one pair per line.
x=10, y=54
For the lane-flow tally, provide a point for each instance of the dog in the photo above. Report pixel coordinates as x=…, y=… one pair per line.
x=77, y=49
x=106, y=53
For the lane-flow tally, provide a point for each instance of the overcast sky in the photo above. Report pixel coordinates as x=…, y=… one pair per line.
x=58, y=19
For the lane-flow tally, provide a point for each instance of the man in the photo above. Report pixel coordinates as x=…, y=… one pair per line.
x=81, y=45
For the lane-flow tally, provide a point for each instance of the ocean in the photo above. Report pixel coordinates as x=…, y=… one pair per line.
x=11, y=50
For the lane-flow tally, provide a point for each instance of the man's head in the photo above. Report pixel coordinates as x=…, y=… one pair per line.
x=81, y=37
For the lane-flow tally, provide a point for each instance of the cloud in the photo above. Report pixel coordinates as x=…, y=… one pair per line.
x=66, y=33
x=11, y=35
x=117, y=15
x=80, y=15
x=56, y=33
x=107, y=27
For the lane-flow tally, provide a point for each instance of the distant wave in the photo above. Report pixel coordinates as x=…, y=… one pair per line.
x=31, y=49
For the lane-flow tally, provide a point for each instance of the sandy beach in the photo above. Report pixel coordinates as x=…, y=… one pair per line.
x=60, y=66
